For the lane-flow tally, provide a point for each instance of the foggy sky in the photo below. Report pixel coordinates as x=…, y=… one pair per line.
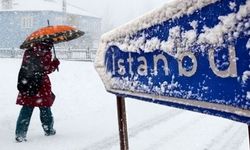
x=117, y=12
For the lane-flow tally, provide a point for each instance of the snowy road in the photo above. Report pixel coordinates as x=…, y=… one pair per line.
x=85, y=118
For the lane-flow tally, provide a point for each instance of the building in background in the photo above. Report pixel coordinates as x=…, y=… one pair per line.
x=19, y=18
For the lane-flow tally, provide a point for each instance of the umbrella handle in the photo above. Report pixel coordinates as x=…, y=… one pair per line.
x=54, y=52
x=57, y=69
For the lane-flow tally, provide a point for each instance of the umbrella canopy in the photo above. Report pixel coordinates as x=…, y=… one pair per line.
x=54, y=34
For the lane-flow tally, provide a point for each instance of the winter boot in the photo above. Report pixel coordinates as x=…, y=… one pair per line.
x=20, y=139
x=50, y=132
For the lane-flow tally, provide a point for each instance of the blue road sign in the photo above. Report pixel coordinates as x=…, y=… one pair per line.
x=189, y=55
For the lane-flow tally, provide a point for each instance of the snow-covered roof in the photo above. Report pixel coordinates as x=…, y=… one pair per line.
x=47, y=5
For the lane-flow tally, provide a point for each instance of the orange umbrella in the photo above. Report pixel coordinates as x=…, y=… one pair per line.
x=54, y=34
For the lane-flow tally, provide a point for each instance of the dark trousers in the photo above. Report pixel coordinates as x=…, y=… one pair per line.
x=25, y=114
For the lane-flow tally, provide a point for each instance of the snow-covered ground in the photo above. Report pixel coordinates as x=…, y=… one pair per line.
x=85, y=118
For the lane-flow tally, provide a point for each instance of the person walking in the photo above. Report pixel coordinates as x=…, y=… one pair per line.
x=35, y=88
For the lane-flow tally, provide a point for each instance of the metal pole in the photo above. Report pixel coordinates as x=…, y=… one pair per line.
x=122, y=122
x=249, y=136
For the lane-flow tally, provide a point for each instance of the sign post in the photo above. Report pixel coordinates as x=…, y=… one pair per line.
x=192, y=55
x=249, y=136
x=122, y=122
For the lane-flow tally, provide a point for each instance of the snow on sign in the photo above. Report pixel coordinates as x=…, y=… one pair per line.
x=189, y=54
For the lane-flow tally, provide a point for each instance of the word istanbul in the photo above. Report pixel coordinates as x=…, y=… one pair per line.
x=131, y=65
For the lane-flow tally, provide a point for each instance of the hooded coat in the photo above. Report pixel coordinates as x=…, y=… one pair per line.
x=44, y=97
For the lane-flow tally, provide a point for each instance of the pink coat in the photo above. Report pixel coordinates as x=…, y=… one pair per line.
x=44, y=97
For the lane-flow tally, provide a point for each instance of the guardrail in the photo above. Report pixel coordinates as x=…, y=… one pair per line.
x=66, y=54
